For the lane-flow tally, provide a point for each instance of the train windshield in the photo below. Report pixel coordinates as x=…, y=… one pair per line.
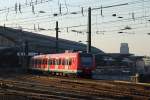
x=86, y=61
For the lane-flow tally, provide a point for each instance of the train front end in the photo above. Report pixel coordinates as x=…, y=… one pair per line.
x=87, y=64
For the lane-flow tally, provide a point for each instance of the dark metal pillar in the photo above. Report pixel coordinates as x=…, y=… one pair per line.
x=26, y=54
x=57, y=36
x=26, y=48
x=89, y=31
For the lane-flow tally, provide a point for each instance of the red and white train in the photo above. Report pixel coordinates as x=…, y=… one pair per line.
x=68, y=63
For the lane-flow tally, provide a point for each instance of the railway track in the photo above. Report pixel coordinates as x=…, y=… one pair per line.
x=57, y=88
x=43, y=91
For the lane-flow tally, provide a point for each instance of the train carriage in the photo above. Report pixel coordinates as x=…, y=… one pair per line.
x=68, y=63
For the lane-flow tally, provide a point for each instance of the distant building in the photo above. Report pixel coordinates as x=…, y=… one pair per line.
x=124, y=49
x=143, y=64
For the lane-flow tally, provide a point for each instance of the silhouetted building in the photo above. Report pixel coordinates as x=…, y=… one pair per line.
x=124, y=49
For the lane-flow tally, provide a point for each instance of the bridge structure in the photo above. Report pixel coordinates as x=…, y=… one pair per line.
x=17, y=38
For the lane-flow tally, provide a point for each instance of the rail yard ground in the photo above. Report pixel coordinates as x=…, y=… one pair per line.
x=23, y=86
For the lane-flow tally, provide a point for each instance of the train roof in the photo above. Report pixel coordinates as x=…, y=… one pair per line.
x=58, y=54
x=61, y=54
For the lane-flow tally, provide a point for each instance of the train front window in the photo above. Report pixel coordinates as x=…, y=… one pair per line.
x=86, y=61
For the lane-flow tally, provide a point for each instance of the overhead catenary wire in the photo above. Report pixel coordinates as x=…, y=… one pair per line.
x=45, y=1
x=56, y=16
x=122, y=20
x=92, y=14
x=96, y=8
x=15, y=8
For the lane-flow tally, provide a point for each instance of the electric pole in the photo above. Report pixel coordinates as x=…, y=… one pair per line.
x=89, y=31
x=57, y=36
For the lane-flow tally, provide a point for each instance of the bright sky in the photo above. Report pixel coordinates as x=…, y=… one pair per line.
x=119, y=21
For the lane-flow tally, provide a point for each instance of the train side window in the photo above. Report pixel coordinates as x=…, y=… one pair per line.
x=66, y=61
x=45, y=61
x=56, y=61
x=42, y=61
x=49, y=61
x=70, y=61
x=59, y=61
x=39, y=61
x=53, y=61
x=63, y=61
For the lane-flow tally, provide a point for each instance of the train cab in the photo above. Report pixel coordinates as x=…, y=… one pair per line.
x=87, y=63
